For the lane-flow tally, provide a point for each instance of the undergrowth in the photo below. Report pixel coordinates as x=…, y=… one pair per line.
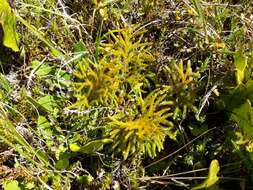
x=131, y=94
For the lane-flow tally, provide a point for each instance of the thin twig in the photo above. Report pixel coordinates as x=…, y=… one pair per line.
x=186, y=178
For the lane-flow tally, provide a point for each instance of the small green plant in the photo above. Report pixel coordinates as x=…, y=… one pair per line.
x=183, y=79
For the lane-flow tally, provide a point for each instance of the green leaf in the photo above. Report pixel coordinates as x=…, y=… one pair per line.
x=241, y=94
x=80, y=47
x=243, y=115
x=8, y=23
x=94, y=146
x=85, y=179
x=5, y=84
x=48, y=102
x=238, y=106
x=42, y=156
x=63, y=75
x=43, y=122
x=44, y=125
x=212, y=177
x=41, y=69
x=199, y=10
x=240, y=63
x=74, y=147
x=62, y=164
x=12, y=185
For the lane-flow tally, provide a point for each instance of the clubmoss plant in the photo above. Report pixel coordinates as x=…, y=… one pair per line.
x=97, y=83
x=146, y=132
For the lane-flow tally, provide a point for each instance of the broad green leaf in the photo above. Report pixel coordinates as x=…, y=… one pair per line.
x=240, y=63
x=41, y=69
x=248, y=88
x=93, y=146
x=212, y=177
x=241, y=94
x=44, y=125
x=48, y=103
x=43, y=122
x=35, y=103
x=45, y=104
x=8, y=23
x=63, y=162
x=238, y=106
x=243, y=115
x=12, y=185
x=64, y=75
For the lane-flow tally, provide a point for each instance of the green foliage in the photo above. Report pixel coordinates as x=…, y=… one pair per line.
x=8, y=23
x=54, y=50
x=243, y=116
x=240, y=63
x=183, y=79
x=127, y=49
x=109, y=94
x=12, y=185
x=13, y=138
x=47, y=103
x=91, y=147
x=212, y=177
x=241, y=109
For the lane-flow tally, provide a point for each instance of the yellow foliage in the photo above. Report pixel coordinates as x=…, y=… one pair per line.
x=185, y=74
x=220, y=45
x=97, y=83
x=126, y=48
x=74, y=147
x=123, y=59
x=147, y=132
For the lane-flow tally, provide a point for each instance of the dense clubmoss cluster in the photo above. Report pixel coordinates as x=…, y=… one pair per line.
x=130, y=94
